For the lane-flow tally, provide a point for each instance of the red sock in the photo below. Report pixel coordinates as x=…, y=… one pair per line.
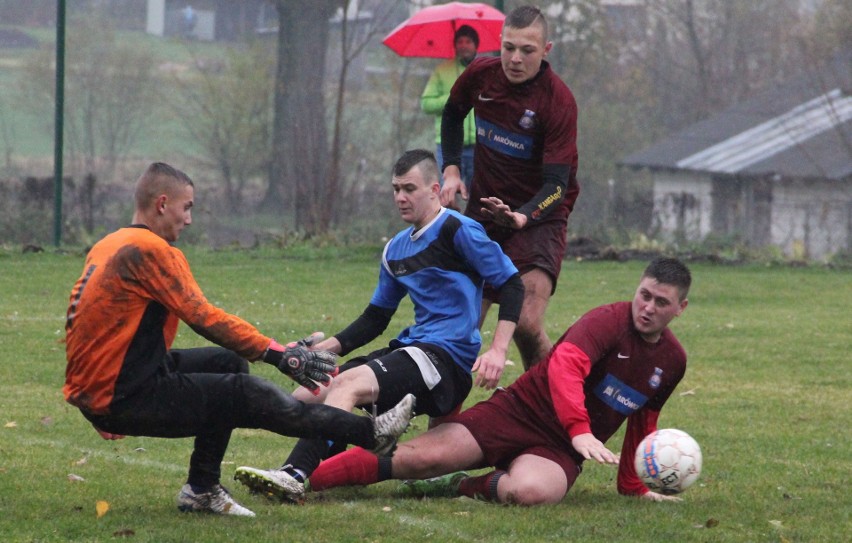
x=483, y=487
x=355, y=466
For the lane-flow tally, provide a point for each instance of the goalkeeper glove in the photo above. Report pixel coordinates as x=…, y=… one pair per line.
x=303, y=366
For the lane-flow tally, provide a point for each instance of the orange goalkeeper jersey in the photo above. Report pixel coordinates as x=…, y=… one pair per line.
x=123, y=316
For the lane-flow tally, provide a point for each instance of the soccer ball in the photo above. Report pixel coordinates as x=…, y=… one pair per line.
x=668, y=461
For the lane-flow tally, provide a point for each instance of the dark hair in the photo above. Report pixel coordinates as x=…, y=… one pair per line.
x=418, y=157
x=670, y=271
x=468, y=31
x=524, y=16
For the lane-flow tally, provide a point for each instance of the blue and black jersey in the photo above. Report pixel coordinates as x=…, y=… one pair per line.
x=442, y=267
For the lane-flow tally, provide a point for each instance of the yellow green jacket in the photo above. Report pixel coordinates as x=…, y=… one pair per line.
x=436, y=93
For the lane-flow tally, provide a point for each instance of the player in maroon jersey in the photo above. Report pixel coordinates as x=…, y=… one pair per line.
x=617, y=362
x=525, y=163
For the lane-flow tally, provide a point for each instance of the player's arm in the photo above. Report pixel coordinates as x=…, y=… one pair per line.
x=489, y=366
x=452, y=133
x=548, y=198
x=567, y=369
x=172, y=283
x=179, y=292
x=367, y=327
x=452, y=142
x=554, y=187
x=639, y=424
x=559, y=164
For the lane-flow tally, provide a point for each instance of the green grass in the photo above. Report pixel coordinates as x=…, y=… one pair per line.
x=769, y=400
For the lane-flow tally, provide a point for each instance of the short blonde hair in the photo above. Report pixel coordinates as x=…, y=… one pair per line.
x=159, y=178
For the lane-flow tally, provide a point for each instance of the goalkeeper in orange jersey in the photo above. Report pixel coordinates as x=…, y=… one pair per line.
x=126, y=380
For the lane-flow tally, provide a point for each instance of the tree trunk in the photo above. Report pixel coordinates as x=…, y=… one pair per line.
x=299, y=139
x=332, y=190
x=702, y=81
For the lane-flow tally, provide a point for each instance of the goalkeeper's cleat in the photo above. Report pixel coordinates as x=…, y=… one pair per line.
x=275, y=484
x=216, y=500
x=445, y=486
x=391, y=424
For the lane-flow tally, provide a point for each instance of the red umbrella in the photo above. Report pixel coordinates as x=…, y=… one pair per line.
x=429, y=32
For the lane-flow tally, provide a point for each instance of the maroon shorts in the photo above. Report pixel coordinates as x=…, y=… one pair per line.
x=504, y=431
x=539, y=246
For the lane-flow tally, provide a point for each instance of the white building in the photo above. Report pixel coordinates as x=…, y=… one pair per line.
x=774, y=170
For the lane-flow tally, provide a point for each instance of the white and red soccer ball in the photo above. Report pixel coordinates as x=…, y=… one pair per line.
x=668, y=461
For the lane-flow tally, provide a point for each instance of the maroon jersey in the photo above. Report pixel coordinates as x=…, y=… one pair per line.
x=519, y=129
x=600, y=373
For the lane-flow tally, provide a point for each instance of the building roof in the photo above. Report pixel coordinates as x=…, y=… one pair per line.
x=801, y=128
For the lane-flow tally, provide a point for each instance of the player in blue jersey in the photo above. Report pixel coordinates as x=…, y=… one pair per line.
x=441, y=262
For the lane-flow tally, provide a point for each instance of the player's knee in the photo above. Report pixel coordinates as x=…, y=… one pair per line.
x=345, y=379
x=356, y=386
x=264, y=398
x=530, y=326
x=526, y=334
x=532, y=343
x=231, y=362
x=533, y=493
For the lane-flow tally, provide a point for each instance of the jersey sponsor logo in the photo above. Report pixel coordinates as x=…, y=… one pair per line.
x=656, y=379
x=527, y=120
x=623, y=356
x=484, y=99
x=503, y=141
x=555, y=197
x=619, y=396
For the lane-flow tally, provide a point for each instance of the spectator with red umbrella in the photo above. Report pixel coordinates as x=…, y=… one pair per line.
x=430, y=32
x=455, y=31
x=437, y=90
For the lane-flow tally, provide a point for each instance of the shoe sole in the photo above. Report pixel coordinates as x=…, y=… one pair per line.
x=389, y=448
x=258, y=484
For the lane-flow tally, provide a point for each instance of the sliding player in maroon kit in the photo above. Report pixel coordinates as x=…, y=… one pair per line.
x=525, y=163
x=617, y=362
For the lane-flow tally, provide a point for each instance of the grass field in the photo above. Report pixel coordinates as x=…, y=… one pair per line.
x=768, y=395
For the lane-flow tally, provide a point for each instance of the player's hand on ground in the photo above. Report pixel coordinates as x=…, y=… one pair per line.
x=488, y=369
x=657, y=497
x=592, y=449
x=501, y=214
x=107, y=435
x=302, y=365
